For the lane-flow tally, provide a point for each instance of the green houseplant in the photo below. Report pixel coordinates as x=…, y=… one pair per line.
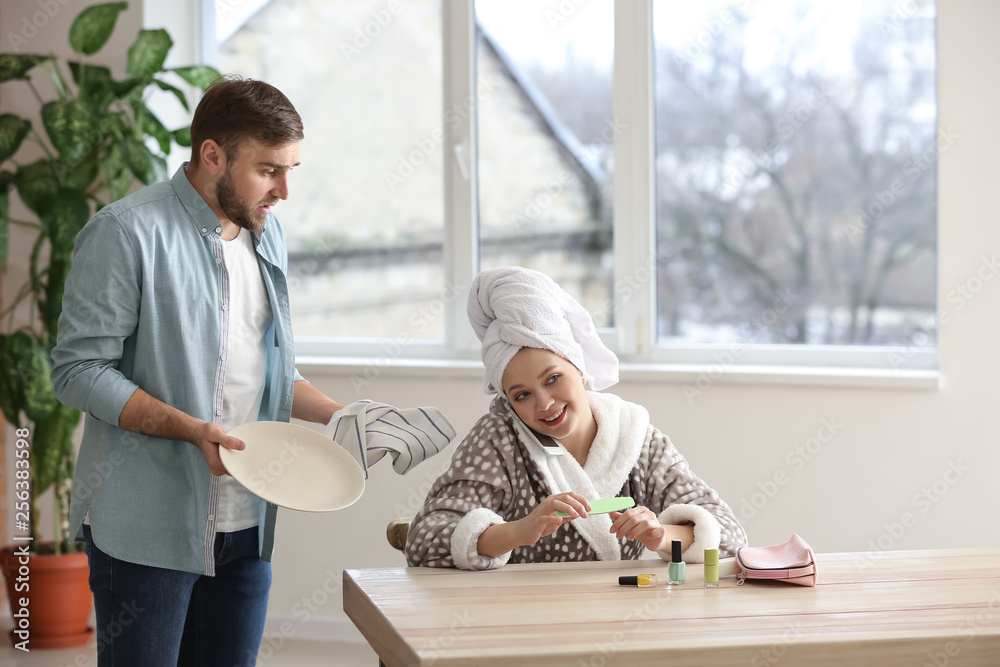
x=95, y=149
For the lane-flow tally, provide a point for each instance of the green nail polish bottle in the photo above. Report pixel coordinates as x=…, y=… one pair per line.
x=711, y=568
x=677, y=571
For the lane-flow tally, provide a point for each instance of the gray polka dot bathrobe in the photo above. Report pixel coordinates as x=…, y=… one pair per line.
x=498, y=476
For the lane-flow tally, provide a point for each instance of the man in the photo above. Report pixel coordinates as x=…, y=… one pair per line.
x=175, y=328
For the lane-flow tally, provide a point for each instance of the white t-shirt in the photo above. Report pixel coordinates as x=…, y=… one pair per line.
x=246, y=361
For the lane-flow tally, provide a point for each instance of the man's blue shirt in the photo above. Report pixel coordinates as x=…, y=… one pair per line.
x=144, y=307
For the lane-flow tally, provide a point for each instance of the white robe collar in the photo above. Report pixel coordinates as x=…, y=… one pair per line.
x=621, y=430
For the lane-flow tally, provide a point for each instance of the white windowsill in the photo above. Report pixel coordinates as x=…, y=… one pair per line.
x=690, y=374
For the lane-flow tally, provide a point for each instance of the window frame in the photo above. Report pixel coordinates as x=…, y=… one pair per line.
x=906, y=365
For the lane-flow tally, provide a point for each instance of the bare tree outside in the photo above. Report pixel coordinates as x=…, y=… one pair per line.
x=797, y=183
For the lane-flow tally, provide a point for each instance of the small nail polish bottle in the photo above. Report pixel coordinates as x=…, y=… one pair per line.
x=711, y=568
x=677, y=571
x=642, y=580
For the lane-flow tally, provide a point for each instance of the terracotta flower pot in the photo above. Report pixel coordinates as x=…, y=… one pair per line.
x=59, y=597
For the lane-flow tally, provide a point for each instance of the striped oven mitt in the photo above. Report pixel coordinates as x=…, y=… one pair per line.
x=370, y=430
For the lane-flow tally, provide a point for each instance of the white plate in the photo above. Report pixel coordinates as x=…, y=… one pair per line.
x=294, y=467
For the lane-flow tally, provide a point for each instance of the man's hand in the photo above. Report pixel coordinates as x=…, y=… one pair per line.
x=208, y=438
x=144, y=414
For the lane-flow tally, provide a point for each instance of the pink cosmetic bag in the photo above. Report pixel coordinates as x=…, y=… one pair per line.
x=792, y=561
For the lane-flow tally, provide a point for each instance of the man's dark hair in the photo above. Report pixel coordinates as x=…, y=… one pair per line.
x=235, y=109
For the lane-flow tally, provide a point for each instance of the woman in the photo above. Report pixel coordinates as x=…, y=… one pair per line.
x=498, y=500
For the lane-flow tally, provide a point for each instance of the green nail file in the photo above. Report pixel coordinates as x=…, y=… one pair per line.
x=605, y=505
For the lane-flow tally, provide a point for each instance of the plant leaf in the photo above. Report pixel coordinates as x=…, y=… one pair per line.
x=60, y=222
x=82, y=72
x=200, y=76
x=16, y=66
x=178, y=93
x=146, y=166
x=53, y=438
x=68, y=124
x=13, y=347
x=152, y=126
x=183, y=136
x=95, y=83
x=39, y=394
x=13, y=130
x=148, y=52
x=10, y=390
x=6, y=178
x=116, y=172
x=93, y=26
x=128, y=87
x=55, y=75
x=36, y=185
x=65, y=218
x=4, y=226
x=80, y=175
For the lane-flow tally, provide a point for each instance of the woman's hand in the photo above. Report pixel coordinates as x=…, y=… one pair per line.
x=543, y=520
x=503, y=537
x=639, y=523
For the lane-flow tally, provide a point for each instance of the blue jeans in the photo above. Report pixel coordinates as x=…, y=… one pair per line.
x=155, y=617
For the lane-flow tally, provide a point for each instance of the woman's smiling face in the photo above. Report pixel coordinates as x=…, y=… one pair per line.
x=547, y=393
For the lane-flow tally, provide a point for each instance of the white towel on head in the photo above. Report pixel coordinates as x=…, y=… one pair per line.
x=370, y=430
x=512, y=307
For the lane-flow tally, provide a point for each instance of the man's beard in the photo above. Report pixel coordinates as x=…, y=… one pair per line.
x=238, y=209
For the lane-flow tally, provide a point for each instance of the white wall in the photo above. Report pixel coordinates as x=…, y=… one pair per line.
x=853, y=495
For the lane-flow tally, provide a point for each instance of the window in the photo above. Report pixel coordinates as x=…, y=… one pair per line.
x=364, y=221
x=546, y=143
x=699, y=175
x=795, y=203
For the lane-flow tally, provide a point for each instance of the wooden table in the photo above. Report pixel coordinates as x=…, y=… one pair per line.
x=912, y=608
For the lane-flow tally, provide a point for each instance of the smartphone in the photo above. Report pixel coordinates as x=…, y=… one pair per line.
x=547, y=443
